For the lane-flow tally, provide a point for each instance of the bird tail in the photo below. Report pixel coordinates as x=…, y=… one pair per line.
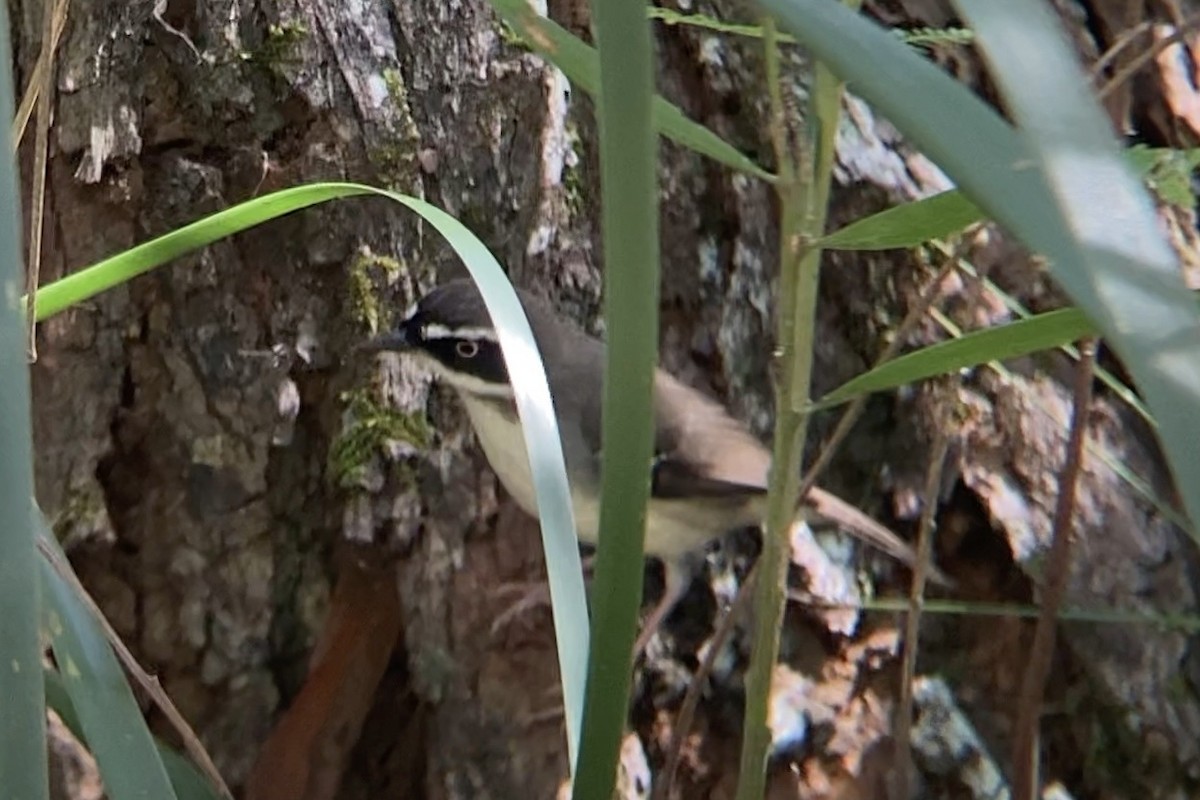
x=868, y=530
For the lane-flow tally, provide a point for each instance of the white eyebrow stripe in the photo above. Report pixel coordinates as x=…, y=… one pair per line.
x=435, y=331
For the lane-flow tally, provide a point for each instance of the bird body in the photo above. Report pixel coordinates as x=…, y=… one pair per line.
x=675, y=527
x=709, y=474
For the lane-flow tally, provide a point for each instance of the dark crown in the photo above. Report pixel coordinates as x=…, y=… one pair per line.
x=455, y=305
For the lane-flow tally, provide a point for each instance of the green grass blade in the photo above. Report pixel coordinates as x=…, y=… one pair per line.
x=544, y=446
x=1013, y=339
x=22, y=705
x=529, y=382
x=188, y=782
x=104, y=704
x=1095, y=224
x=630, y=226
x=907, y=225
x=581, y=64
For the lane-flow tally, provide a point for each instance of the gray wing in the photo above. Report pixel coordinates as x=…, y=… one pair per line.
x=699, y=450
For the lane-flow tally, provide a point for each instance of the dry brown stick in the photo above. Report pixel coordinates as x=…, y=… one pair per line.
x=148, y=682
x=37, y=202
x=691, y=700
x=33, y=90
x=901, y=789
x=1041, y=653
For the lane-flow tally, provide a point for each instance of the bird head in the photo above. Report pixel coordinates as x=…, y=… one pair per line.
x=451, y=331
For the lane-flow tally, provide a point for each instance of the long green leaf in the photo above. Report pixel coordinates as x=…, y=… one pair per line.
x=629, y=198
x=907, y=225
x=22, y=705
x=108, y=713
x=580, y=63
x=1099, y=225
x=520, y=351
x=1095, y=224
x=1041, y=332
x=189, y=784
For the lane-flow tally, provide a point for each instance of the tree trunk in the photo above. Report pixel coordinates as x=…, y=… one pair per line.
x=320, y=603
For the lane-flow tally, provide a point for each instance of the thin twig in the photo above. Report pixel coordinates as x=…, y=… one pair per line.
x=1189, y=623
x=926, y=300
x=691, y=700
x=1123, y=41
x=901, y=789
x=802, y=189
x=1057, y=569
x=1129, y=70
x=148, y=682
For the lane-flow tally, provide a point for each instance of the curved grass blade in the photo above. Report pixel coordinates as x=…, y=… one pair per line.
x=1013, y=339
x=907, y=225
x=188, y=782
x=516, y=341
x=108, y=714
x=581, y=64
x=86, y=283
x=22, y=704
x=1075, y=203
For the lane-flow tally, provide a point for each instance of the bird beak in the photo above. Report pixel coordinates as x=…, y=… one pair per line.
x=392, y=341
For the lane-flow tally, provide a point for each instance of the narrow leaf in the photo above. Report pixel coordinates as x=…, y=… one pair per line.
x=629, y=200
x=1041, y=332
x=907, y=225
x=1097, y=223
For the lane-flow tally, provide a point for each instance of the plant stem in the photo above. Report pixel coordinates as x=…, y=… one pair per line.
x=803, y=191
x=1058, y=567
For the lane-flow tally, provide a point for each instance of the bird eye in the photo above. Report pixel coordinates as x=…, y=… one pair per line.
x=466, y=348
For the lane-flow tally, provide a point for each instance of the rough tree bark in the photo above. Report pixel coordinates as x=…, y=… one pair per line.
x=273, y=574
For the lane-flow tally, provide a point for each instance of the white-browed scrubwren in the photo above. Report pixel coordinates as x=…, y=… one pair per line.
x=709, y=473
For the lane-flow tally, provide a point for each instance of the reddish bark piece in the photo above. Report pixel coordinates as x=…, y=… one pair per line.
x=307, y=752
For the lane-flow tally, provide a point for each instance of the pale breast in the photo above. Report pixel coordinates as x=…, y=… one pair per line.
x=674, y=527
x=503, y=442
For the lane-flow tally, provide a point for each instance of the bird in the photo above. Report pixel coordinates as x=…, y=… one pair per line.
x=709, y=473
